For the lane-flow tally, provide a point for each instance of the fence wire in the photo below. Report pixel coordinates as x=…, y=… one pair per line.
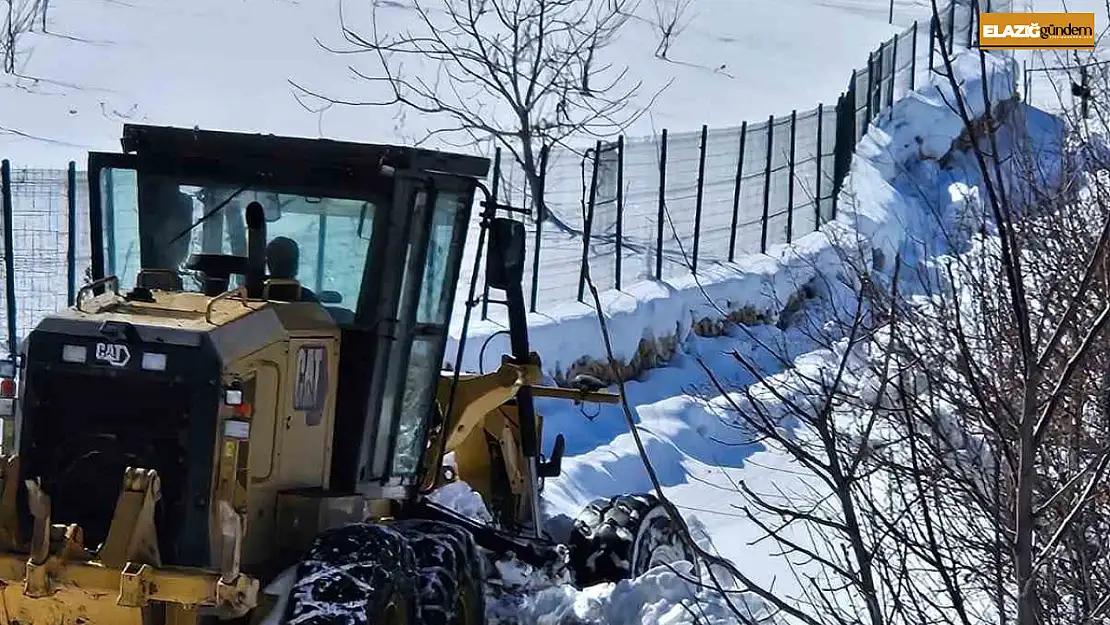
x=662, y=206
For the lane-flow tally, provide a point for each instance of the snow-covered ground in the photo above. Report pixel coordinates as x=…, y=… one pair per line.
x=692, y=439
x=227, y=65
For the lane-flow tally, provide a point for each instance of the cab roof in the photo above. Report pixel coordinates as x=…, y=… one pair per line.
x=197, y=144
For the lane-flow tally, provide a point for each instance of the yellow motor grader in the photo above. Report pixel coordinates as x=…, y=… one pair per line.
x=250, y=388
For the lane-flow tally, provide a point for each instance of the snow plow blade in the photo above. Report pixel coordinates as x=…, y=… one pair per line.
x=55, y=580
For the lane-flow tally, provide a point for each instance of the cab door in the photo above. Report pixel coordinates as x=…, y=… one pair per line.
x=114, y=217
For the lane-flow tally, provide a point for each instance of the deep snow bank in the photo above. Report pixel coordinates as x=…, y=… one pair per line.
x=518, y=593
x=883, y=205
x=691, y=436
x=648, y=320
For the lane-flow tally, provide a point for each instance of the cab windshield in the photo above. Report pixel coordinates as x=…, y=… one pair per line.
x=322, y=242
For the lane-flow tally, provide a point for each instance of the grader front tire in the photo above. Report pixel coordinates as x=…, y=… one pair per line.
x=626, y=536
x=449, y=572
x=355, y=574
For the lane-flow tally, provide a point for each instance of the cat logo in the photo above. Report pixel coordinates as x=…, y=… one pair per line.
x=113, y=353
x=312, y=378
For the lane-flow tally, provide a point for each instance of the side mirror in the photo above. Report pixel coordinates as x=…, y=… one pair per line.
x=330, y=297
x=505, y=257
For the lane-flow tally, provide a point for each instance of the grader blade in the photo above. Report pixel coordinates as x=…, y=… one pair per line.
x=56, y=580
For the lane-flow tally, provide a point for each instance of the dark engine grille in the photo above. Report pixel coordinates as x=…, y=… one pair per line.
x=86, y=428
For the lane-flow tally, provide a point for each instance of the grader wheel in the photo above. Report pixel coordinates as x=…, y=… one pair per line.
x=449, y=573
x=626, y=536
x=358, y=573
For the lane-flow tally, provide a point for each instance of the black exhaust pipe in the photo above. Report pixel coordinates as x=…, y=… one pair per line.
x=256, y=249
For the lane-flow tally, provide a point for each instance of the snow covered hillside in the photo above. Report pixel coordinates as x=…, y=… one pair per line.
x=226, y=65
x=705, y=457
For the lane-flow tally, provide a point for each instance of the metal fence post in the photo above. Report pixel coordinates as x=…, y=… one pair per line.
x=767, y=184
x=662, y=207
x=877, y=86
x=820, y=157
x=71, y=233
x=495, y=183
x=700, y=196
x=790, y=186
x=845, y=142
x=932, y=40
x=913, y=58
x=854, y=104
x=893, y=71
x=620, y=210
x=736, y=193
x=951, y=25
x=870, y=80
x=1025, y=80
x=541, y=210
x=971, y=23
x=9, y=257
x=587, y=227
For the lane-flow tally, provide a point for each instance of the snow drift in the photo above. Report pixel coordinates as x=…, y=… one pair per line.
x=651, y=317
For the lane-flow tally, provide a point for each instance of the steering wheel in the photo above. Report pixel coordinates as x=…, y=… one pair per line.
x=217, y=270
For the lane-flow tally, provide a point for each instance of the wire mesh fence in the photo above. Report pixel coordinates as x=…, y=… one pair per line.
x=659, y=207
x=1064, y=85
x=41, y=207
x=648, y=208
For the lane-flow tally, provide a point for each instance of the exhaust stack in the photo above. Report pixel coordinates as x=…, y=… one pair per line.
x=256, y=248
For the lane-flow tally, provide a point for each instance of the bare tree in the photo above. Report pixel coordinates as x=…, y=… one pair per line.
x=19, y=18
x=526, y=74
x=670, y=20
x=964, y=476
x=957, y=436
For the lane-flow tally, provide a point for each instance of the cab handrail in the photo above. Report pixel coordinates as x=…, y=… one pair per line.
x=239, y=292
x=113, y=280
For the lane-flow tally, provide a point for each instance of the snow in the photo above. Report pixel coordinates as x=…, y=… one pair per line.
x=520, y=593
x=458, y=496
x=657, y=309
x=659, y=597
x=693, y=441
x=104, y=62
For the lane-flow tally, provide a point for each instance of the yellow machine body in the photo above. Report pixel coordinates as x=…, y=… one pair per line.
x=265, y=462
x=268, y=425
x=270, y=483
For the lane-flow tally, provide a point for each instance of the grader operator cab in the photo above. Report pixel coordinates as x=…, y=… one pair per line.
x=207, y=420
